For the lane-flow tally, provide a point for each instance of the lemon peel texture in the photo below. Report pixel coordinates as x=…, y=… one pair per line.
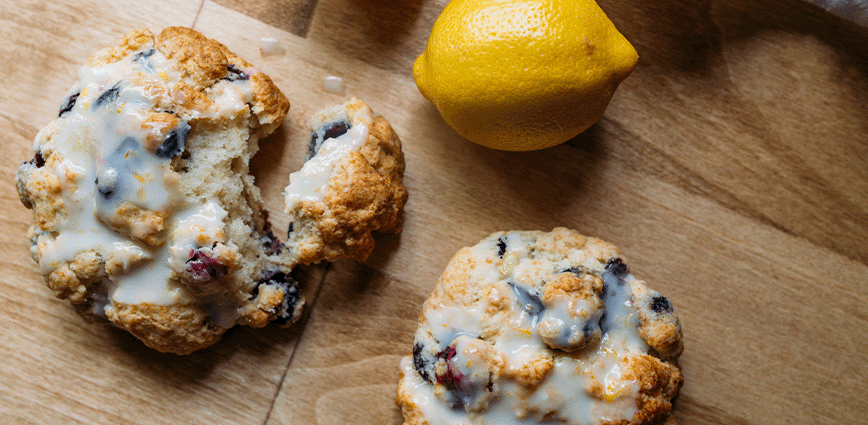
x=521, y=75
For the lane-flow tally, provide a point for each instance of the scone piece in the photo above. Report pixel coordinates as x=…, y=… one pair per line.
x=144, y=211
x=534, y=327
x=350, y=186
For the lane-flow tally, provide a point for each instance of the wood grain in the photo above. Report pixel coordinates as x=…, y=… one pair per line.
x=290, y=15
x=731, y=169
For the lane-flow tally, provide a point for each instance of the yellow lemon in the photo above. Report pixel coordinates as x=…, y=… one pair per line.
x=522, y=74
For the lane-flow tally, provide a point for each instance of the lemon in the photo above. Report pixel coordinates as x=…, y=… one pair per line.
x=522, y=74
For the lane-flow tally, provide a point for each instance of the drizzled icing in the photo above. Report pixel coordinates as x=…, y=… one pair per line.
x=114, y=142
x=561, y=393
x=310, y=183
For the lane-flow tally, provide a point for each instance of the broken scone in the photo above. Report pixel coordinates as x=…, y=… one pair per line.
x=144, y=210
x=350, y=185
x=534, y=327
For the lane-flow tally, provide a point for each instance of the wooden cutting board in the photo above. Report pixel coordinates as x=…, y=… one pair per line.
x=731, y=169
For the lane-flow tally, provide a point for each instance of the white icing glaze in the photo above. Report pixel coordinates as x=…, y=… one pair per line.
x=562, y=395
x=106, y=162
x=566, y=314
x=229, y=99
x=270, y=46
x=201, y=225
x=423, y=396
x=333, y=84
x=192, y=227
x=448, y=322
x=310, y=183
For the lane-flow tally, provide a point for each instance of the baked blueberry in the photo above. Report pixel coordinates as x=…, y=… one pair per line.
x=527, y=299
x=235, y=73
x=174, y=143
x=419, y=362
x=203, y=268
x=501, y=246
x=108, y=96
x=288, y=310
x=38, y=160
x=328, y=131
x=68, y=104
x=661, y=304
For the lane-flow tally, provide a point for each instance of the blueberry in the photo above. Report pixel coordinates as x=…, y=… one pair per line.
x=291, y=295
x=451, y=377
x=144, y=54
x=613, y=282
x=329, y=131
x=125, y=150
x=235, y=73
x=106, y=191
x=266, y=236
x=109, y=95
x=661, y=304
x=68, y=104
x=578, y=271
x=174, y=143
x=501, y=246
x=603, y=323
x=335, y=130
x=38, y=160
x=529, y=301
x=107, y=183
x=269, y=241
x=289, y=232
x=142, y=58
x=419, y=363
x=313, y=146
x=204, y=268
x=617, y=267
x=470, y=392
x=448, y=353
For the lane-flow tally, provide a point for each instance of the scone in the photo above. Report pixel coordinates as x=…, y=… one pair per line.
x=144, y=212
x=350, y=185
x=534, y=327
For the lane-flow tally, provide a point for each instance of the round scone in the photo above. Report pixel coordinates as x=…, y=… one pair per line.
x=144, y=212
x=350, y=185
x=535, y=327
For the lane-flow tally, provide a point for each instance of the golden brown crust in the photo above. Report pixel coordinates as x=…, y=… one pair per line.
x=202, y=62
x=365, y=194
x=531, y=372
x=40, y=190
x=585, y=287
x=200, y=59
x=269, y=103
x=263, y=309
x=660, y=329
x=176, y=329
x=659, y=383
x=132, y=42
x=73, y=279
x=158, y=126
x=143, y=225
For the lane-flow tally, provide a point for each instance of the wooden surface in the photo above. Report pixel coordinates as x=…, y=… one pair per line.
x=731, y=168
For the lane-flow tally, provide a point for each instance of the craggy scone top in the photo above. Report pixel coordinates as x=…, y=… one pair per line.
x=143, y=209
x=534, y=327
